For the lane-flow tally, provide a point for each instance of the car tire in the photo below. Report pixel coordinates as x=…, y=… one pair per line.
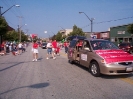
x=94, y=69
x=70, y=61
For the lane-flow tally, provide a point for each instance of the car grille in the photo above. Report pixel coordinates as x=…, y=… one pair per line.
x=125, y=63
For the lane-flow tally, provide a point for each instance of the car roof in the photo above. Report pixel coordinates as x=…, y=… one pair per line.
x=76, y=37
x=91, y=39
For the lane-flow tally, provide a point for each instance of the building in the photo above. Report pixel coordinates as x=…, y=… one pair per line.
x=119, y=34
x=65, y=32
x=102, y=35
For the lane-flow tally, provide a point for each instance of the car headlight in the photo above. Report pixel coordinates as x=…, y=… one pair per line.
x=103, y=61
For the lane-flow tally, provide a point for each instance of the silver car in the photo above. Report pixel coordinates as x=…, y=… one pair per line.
x=100, y=56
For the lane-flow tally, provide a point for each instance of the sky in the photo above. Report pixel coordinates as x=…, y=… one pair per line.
x=38, y=16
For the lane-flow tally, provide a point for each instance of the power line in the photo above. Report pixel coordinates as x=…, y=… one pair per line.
x=114, y=20
x=110, y=21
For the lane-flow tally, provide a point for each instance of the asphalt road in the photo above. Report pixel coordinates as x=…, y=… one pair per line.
x=20, y=78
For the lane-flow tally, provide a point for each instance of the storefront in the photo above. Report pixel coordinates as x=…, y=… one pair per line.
x=119, y=34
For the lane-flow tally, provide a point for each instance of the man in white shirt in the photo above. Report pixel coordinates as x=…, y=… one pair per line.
x=20, y=48
x=49, y=49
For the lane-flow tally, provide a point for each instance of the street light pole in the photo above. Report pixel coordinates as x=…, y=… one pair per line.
x=91, y=20
x=7, y=9
x=19, y=28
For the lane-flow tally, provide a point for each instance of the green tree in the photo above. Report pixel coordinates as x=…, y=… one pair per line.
x=3, y=26
x=58, y=36
x=130, y=28
x=12, y=36
x=24, y=37
x=76, y=32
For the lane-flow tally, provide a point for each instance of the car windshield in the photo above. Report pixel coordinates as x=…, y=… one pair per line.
x=102, y=45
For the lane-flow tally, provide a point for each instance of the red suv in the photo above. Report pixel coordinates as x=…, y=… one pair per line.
x=128, y=47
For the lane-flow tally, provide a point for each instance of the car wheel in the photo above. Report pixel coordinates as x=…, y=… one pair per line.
x=131, y=51
x=70, y=61
x=94, y=69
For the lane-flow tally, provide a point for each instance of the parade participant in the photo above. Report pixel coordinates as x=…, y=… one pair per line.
x=35, y=50
x=19, y=48
x=58, y=49
x=3, y=48
x=66, y=44
x=54, y=46
x=49, y=50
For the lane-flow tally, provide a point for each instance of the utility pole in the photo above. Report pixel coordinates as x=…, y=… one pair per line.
x=0, y=11
x=19, y=27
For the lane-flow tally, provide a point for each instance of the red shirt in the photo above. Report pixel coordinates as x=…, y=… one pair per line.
x=54, y=44
x=2, y=45
x=80, y=43
x=66, y=44
x=35, y=45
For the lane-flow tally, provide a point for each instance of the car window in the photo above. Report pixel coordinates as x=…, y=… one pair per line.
x=73, y=43
x=86, y=44
x=99, y=45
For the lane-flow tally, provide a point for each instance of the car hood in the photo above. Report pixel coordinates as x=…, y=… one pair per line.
x=111, y=56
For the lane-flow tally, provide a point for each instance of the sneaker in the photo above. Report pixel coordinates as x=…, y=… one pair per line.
x=54, y=57
x=33, y=60
x=47, y=58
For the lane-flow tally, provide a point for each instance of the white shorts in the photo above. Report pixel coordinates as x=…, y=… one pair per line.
x=53, y=49
x=35, y=51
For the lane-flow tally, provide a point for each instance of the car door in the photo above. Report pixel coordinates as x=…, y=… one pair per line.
x=85, y=54
x=72, y=50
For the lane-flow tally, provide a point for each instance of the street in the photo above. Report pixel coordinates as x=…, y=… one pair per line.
x=20, y=78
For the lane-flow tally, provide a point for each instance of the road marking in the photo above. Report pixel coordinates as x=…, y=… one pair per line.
x=128, y=80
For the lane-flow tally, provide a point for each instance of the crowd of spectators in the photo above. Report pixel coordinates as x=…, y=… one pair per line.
x=8, y=47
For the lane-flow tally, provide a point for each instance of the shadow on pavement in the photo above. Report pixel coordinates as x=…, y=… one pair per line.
x=40, y=58
x=37, y=86
x=11, y=66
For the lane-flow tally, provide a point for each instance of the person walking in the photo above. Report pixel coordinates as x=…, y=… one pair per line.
x=58, y=49
x=66, y=44
x=19, y=48
x=54, y=46
x=35, y=50
x=3, y=48
x=49, y=49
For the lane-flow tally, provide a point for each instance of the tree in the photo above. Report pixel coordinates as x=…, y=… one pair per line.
x=76, y=32
x=130, y=28
x=3, y=26
x=12, y=36
x=58, y=36
x=24, y=37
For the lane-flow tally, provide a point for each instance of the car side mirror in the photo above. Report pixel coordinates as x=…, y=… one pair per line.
x=86, y=48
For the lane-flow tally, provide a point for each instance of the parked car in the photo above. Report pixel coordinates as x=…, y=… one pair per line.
x=44, y=45
x=100, y=57
x=128, y=47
